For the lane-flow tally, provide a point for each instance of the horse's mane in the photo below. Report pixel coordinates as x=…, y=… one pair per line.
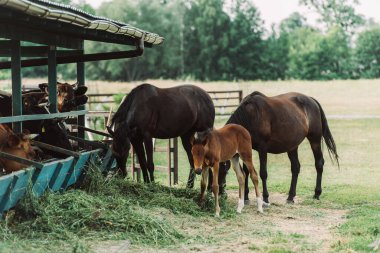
x=122, y=113
x=241, y=117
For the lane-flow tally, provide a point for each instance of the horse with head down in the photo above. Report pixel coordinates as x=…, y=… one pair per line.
x=150, y=112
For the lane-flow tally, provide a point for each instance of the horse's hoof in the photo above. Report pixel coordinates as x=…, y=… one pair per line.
x=266, y=204
x=316, y=197
x=260, y=210
x=290, y=201
x=217, y=215
x=247, y=202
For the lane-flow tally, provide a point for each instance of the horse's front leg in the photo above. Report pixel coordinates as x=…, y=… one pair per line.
x=203, y=184
x=215, y=187
x=140, y=152
x=187, y=146
x=148, y=143
x=264, y=175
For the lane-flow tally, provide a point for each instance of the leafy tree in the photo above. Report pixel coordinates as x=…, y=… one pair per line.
x=368, y=53
x=245, y=43
x=337, y=13
x=206, y=40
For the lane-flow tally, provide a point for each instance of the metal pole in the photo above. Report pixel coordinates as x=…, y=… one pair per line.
x=16, y=84
x=81, y=82
x=52, y=78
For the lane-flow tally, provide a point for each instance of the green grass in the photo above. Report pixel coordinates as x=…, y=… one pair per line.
x=354, y=186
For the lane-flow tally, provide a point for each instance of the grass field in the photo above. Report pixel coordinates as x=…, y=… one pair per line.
x=116, y=216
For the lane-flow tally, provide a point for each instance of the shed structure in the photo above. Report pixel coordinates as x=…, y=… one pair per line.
x=57, y=33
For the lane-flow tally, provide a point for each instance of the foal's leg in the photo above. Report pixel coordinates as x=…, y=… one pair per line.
x=295, y=167
x=203, y=184
x=247, y=159
x=319, y=162
x=148, y=143
x=215, y=187
x=187, y=146
x=140, y=152
x=241, y=179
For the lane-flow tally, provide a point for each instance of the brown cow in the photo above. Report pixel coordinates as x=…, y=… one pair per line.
x=14, y=144
x=69, y=95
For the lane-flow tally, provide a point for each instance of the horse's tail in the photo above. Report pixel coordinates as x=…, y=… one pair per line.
x=327, y=136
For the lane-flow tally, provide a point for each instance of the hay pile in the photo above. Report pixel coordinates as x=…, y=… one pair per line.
x=104, y=209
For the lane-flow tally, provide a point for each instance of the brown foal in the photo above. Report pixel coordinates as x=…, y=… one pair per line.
x=228, y=143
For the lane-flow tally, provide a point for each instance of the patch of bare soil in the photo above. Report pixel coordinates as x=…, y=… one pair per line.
x=294, y=227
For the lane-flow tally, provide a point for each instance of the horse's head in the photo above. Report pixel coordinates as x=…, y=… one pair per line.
x=120, y=148
x=199, y=148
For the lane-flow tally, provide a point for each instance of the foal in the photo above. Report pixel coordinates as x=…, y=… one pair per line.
x=207, y=152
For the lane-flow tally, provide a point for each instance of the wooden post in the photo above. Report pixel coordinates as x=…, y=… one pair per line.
x=175, y=160
x=16, y=84
x=169, y=150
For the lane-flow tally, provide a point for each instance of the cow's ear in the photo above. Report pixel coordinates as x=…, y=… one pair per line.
x=43, y=87
x=81, y=90
x=13, y=141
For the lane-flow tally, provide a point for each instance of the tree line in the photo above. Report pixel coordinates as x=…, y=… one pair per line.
x=226, y=40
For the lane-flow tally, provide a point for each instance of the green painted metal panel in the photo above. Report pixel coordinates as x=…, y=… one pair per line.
x=20, y=187
x=16, y=84
x=42, y=177
x=76, y=169
x=7, y=183
x=41, y=116
x=61, y=174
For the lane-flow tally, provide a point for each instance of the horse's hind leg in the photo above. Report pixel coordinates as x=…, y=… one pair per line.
x=241, y=179
x=148, y=143
x=187, y=146
x=319, y=162
x=140, y=152
x=247, y=159
x=295, y=167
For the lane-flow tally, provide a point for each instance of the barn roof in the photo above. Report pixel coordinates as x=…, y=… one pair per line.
x=58, y=18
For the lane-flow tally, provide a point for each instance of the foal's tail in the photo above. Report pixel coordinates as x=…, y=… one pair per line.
x=327, y=136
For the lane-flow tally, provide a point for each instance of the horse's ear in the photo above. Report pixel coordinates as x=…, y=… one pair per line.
x=205, y=141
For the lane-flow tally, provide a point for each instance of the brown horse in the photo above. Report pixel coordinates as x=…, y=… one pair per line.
x=228, y=143
x=279, y=124
x=14, y=144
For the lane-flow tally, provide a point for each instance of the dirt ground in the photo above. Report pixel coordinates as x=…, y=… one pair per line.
x=300, y=228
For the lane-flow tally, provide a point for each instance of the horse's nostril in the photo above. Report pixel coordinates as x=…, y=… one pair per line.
x=198, y=171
